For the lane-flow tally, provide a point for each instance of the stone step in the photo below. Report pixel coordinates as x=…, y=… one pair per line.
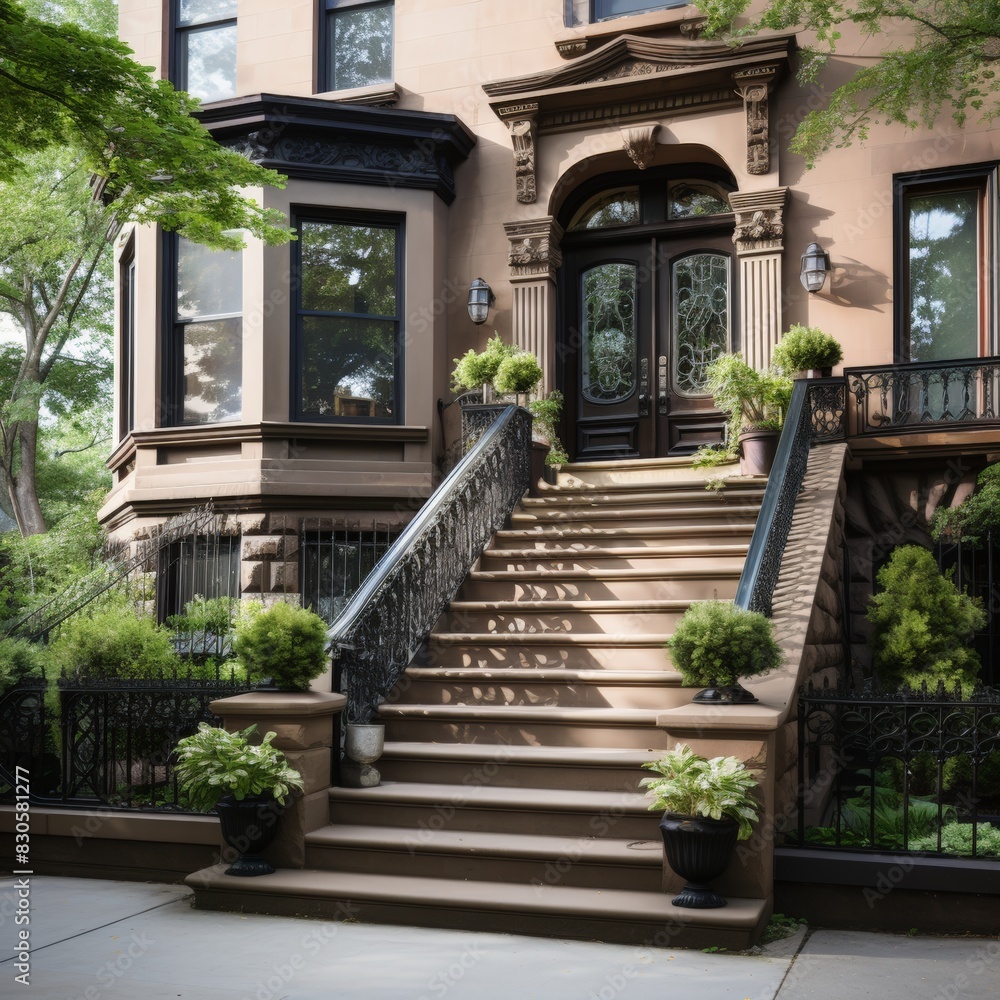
x=562, y=616
x=645, y=472
x=624, y=916
x=590, y=768
x=690, y=583
x=680, y=496
x=540, y=725
x=674, y=559
x=566, y=687
x=558, y=537
x=582, y=860
x=415, y=806
x=584, y=652
x=610, y=516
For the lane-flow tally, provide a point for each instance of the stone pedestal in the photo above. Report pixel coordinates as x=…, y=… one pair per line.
x=304, y=726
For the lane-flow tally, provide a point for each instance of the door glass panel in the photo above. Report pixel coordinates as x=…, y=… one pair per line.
x=944, y=275
x=613, y=208
x=700, y=318
x=695, y=200
x=608, y=370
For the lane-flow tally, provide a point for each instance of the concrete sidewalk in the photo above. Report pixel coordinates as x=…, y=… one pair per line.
x=92, y=939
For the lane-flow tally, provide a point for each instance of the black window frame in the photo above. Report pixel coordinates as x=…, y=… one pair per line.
x=598, y=8
x=172, y=398
x=325, y=41
x=126, y=340
x=982, y=177
x=394, y=220
x=178, y=64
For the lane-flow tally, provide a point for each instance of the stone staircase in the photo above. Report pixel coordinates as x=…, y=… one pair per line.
x=510, y=795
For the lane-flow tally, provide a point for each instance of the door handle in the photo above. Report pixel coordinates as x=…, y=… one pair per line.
x=644, y=404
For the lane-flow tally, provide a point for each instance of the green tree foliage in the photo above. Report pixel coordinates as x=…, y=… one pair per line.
x=977, y=515
x=66, y=86
x=922, y=625
x=945, y=61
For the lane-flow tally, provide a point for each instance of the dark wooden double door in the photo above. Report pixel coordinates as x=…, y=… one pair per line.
x=642, y=319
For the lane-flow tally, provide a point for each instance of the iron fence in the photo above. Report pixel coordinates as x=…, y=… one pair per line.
x=915, y=772
x=103, y=742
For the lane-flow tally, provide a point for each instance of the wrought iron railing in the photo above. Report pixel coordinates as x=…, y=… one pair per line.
x=104, y=741
x=386, y=621
x=917, y=772
x=767, y=545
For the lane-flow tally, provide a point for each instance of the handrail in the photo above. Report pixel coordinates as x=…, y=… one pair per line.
x=767, y=544
x=393, y=612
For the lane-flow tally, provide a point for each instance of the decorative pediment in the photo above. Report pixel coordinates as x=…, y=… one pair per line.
x=634, y=78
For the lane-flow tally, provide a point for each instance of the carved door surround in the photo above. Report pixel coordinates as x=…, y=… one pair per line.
x=630, y=82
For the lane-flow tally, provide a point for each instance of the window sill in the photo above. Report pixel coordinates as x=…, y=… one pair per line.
x=376, y=93
x=587, y=37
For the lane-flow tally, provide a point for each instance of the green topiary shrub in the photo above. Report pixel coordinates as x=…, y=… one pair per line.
x=475, y=369
x=517, y=373
x=115, y=642
x=806, y=347
x=285, y=643
x=922, y=625
x=716, y=643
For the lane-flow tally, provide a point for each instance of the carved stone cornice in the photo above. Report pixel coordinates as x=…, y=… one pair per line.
x=754, y=85
x=534, y=248
x=355, y=144
x=760, y=225
x=637, y=78
x=640, y=142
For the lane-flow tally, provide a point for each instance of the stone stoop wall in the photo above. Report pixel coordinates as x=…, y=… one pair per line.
x=806, y=609
x=269, y=559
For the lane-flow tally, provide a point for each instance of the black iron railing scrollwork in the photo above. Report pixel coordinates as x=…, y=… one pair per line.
x=386, y=621
x=921, y=395
x=767, y=545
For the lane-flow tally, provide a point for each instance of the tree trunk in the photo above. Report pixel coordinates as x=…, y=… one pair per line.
x=22, y=489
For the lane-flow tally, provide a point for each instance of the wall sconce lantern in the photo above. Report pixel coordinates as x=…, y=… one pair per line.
x=481, y=299
x=815, y=265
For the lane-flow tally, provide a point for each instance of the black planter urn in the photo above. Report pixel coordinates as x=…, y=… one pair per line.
x=698, y=849
x=248, y=826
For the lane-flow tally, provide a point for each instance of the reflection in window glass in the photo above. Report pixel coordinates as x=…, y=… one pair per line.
x=199, y=11
x=944, y=275
x=208, y=63
x=348, y=321
x=608, y=371
x=614, y=208
x=700, y=321
x=359, y=43
x=208, y=306
x=695, y=199
x=603, y=9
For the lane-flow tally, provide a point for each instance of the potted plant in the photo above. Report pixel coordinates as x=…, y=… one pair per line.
x=246, y=784
x=478, y=369
x=546, y=413
x=808, y=350
x=716, y=643
x=707, y=807
x=756, y=402
x=285, y=644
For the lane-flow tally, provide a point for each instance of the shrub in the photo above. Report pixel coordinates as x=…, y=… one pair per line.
x=976, y=515
x=956, y=838
x=922, y=625
x=475, y=369
x=805, y=347
x=546, y=414
x=284, y=643
x=19, y=660
x=716, y=643
x=753, y=400
x=115, y=642
x=518, y=372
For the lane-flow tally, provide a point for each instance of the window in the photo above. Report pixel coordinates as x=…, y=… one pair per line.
x=126, y=342
x=205, y=48
x=944, y=243
x=602, y=10
x=356, y=44
x=347, y=362
x=204, y=356
x=197, y=566
x=336, y=563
